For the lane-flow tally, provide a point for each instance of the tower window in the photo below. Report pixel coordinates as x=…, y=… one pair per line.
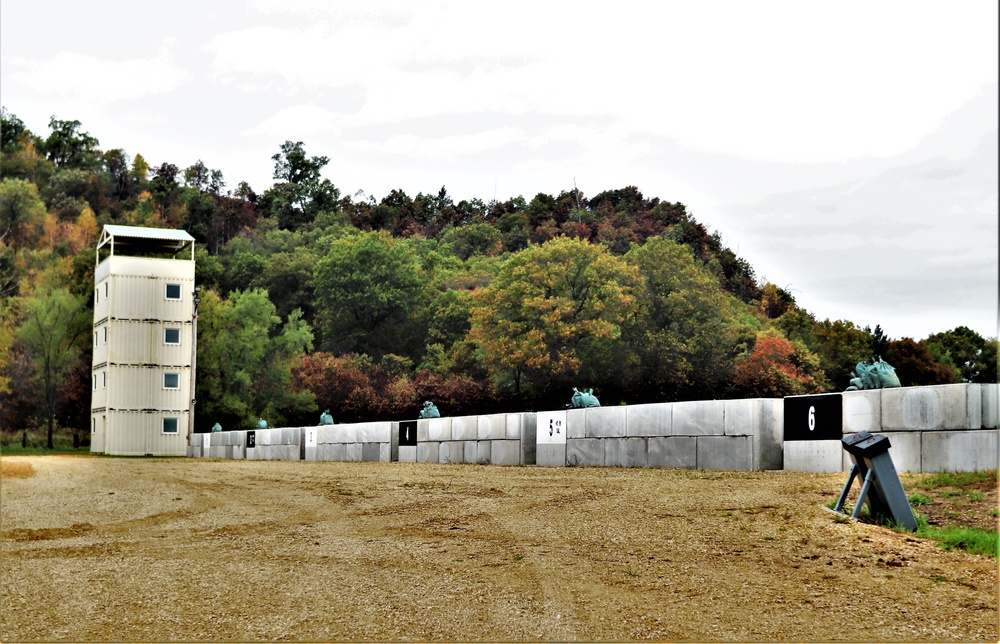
x=173, y=291
x=171, y=336
x=171, y=381
x=169, y=425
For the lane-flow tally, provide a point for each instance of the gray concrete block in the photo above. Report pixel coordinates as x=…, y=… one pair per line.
x=251, y=454
x=492, y=427
x=483, y=452
x=343, y=434
x=438, y=429
x=768, y=453
x=968, y=451
x=741, y=417
x=326, y=434
x=576, y=423
x=904, y=450
x=378, y=432
x=312, y=453
x=370, y=452
x=354, y=452
x=862, y=411
x=291, y=435
x=239, y=452
x=452, y=452
x=217, y=451
x=614, y=452
x=586, y=452
x=991, y=411
x=423, y=430
x=505, y=452
x=725, y=453
x=699, y=418
x=407, y=453
x=675, y=452
x=394, y=444
x=814, y=456
x=465, y=428
x=428, y=452
x=550, y=455
x=470, y=451
x=385, y=453
x=528, y=445
x=605, y=422
x=654, y=419
x=513, y=430
x=338, y=451
x=934, y=408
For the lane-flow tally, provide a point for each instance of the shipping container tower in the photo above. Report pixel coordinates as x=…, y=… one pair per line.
x=145, y=312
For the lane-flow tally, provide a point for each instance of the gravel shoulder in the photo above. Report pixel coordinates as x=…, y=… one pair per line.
x=127, y=549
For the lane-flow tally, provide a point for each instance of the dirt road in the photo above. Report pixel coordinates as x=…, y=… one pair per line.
x=125, y=549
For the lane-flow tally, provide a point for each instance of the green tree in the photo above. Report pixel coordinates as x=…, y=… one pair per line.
x=916, y=365
x=245, y=356
x=54, y=323
x=685, y=336
x=554, y=315
x=974, y=357
x=301, y=192
x=372, y=296
x=68, y=147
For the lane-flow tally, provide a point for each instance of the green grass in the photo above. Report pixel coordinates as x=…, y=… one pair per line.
x=957, y=479
x=919, y=499
x=972, y=540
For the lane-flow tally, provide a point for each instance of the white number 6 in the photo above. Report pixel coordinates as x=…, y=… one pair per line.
x=812, y=418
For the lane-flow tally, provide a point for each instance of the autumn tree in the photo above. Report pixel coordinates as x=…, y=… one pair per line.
x=775, y=368
x=554, y=315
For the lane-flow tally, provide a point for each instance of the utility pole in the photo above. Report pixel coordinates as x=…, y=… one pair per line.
x=194, y=359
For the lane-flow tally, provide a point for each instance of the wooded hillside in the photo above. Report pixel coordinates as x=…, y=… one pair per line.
x=312, y=299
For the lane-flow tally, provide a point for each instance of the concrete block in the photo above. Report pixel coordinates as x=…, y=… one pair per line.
x=438, y=429
x=385, y=453
x=325, y=434
x=394, y=444
x=960, y=451
x=814, y=456
x=470, y=451
x=513, y=429
x=653, y=419
x=344, y=434
x=239, y=452
x=338, y=451
x=933, y=408
x=699, y=418
x=217, y=451
x=324, y=452
x=504, y=452
x=492, y=427
x=741, y=417
x=464, y=428
x=407, y=453
x=862, y=411
x=725, y=453
x=576, y=423
x=605, y=422
x=991, y=411
x=676, y=452
x=483, y=452
x=904, y=450
x=453, y=452
x=550, y=455
x=423, y=430
x=625, y=452
x=291, y=435
x=528, y=445
x=251, y=454
x=428, y=452
x=370, y=452
x=312, y=453
x=354, y=452
x=550, y=427
x=614, y=452
x=768, y=435
x=587, y=452
x=380, y=432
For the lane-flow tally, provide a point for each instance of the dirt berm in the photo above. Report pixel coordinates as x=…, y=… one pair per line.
x=124, y=549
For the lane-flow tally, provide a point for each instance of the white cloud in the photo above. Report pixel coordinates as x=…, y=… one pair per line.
x=93, y=80
x=297, y=122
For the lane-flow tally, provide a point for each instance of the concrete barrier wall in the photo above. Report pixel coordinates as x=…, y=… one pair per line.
x=930, y=429
x=948, y=427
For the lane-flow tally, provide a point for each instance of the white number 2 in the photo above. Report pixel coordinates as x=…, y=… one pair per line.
x=812, y=418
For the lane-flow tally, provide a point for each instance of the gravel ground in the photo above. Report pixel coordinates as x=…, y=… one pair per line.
x=126, y=549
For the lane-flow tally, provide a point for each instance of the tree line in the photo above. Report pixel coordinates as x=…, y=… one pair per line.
x=312, y=299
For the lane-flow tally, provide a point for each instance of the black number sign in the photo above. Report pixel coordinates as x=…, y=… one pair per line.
x=814, y=418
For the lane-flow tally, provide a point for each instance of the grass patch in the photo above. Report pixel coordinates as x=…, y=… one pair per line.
x=919, y=499
x=958, y=479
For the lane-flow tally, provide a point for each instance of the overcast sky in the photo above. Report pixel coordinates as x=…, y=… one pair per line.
x=847, y=150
